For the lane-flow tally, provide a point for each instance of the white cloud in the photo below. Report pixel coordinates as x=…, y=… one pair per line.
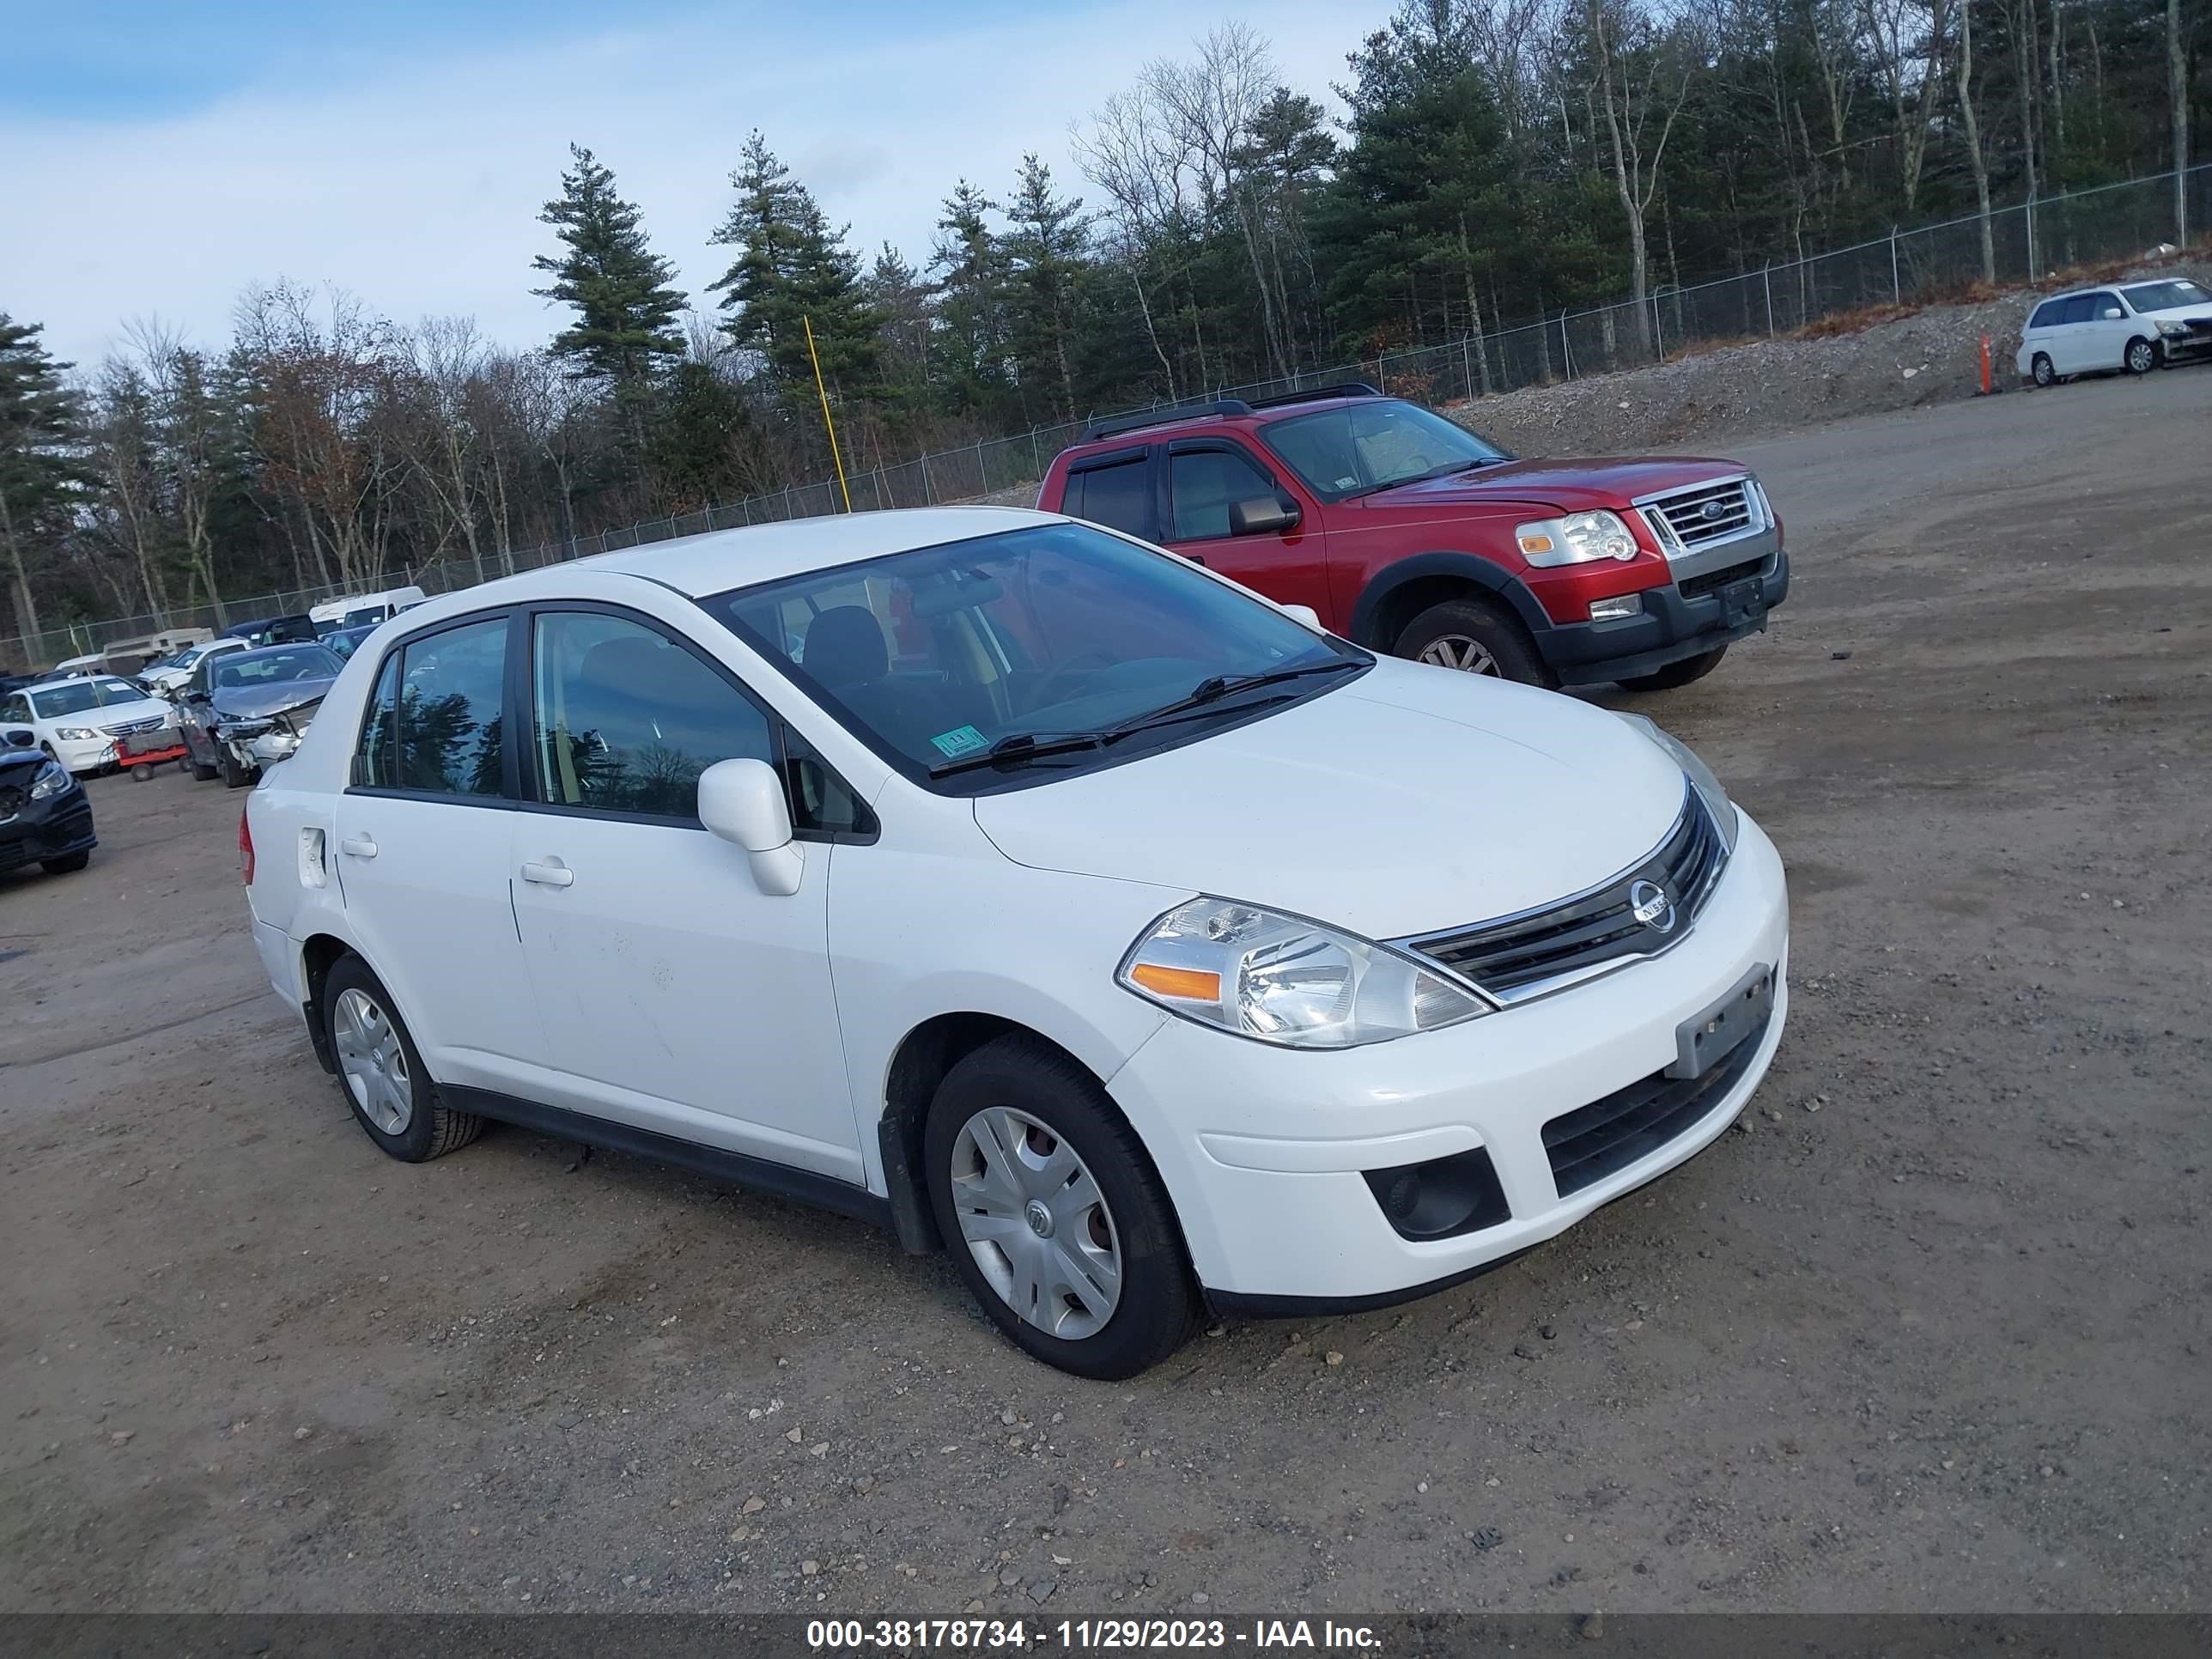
x=419, y=191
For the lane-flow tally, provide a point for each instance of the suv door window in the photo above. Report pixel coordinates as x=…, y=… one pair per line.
x=624, y=720
x=1119, y=496
x=1203, y=483
x=451, y=688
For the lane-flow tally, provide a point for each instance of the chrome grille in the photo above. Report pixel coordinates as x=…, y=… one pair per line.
x=129, y=728
x=1528, y=953
x=1705, y=513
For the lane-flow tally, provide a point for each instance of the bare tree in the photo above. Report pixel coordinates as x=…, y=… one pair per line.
x=1976, y=156
x=1643, y=73
x=445, y=358
x=2177, y=84
x=1906, y=40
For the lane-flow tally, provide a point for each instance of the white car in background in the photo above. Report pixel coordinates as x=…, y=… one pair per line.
x=170, y=676
x=2133, y=327
x=1068, y=906
x=78, y=720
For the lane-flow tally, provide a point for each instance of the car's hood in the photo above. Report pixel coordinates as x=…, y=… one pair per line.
x=1412, y=799
x=1573, y=486
x=239, y=702
x=15, y=763
x=118, y=713
x=2180, y=314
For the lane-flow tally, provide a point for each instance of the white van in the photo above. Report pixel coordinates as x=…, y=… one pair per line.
x=2135, y=327
x=360, y=610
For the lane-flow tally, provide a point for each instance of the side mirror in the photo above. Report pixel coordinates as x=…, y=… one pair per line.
x=743, y=802
x=23, y=739
x=1262, y=516
x=1308, y=615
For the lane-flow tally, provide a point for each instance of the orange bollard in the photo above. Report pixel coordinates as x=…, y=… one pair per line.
x=1985, y=365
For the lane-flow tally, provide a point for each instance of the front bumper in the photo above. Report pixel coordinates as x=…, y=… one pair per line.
x=48, y=829
x=1712, y=600
x=83, y=755
x=2194, y=347
x=1265, y=1150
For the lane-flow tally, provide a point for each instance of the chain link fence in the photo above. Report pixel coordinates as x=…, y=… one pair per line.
x=1929, y=264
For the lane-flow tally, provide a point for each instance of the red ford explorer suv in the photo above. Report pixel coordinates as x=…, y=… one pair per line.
x=1408, y=534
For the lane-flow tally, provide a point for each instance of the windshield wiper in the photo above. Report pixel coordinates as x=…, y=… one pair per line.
x=1022, y=747
x=1444, y=471
x=1209, y=691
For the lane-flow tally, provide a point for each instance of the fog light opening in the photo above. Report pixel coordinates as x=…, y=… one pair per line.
x=1618, y=608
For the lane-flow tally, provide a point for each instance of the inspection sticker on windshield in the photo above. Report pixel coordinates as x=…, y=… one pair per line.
x=961, y=740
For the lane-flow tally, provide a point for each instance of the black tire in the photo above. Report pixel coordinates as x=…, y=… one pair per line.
x=432, y=1129
x=235, y=776
x=68, y=864
x=204, y=771
x=1450, y=633
x=2141, y=357
x=2041, y=372
x=1159, y=1301
x=185, y=764
x=1678, y=673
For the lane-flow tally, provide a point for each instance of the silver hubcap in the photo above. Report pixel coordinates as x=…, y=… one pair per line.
x=2139, y=356
x=2043, y=371
x=1035, y=1222
x=372, y=1062
x=1457, y=651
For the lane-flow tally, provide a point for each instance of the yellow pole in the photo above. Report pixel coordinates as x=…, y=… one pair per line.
x=835, y=453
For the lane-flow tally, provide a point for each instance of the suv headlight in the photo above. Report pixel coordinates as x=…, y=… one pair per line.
x=1700, y=774
x=74, y=733
x=1578, y=538
x=1283, y=980
x=51, y=780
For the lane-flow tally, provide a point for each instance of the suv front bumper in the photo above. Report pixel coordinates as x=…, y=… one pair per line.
x=1712, y=600
x=1266, y=1151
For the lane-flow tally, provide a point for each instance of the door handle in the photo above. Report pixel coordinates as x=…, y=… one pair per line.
x=359, y=847
x=551, y=873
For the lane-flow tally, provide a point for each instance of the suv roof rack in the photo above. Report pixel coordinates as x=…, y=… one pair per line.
x=1117, y=424
x=1313, y=394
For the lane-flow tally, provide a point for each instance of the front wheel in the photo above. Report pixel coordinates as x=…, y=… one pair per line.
x=1678, y=673
x=2142, y=358
x=235, y=776
x=1055, y=1217
x=382, y=1072
x=1474, y=638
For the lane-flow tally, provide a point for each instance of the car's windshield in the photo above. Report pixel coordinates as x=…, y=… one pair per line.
x=2165, y=296
x=1372, y=444
x=345, y=639
x=259, y=668
x=934, y=656
x=78, y=695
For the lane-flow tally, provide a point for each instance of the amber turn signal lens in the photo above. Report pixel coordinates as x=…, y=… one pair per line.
x=1187, y=983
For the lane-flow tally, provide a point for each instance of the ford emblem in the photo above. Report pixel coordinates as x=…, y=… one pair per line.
x=1713, y=509
x=1649, y=903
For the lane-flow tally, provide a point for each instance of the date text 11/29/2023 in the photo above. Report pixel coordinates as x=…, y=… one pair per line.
x=1082, y=1635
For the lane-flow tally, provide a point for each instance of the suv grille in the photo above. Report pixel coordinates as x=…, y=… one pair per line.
x=1611, y=1133
x=130, y=727
x=1593, y=928
x=1705, y=513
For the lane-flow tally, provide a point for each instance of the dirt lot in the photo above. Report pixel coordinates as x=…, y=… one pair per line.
x=1932, y=1332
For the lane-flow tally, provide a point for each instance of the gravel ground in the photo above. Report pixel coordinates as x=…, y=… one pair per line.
x=1931, y=1332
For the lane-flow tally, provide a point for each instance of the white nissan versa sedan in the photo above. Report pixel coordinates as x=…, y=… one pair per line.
x=1031, y=891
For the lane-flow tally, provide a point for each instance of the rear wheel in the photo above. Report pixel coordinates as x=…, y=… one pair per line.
x=1678, y=673
x=2142, y=358
x=2042, y=372
x=1473, y=637
x=1053, y=1212
x=382, y=1073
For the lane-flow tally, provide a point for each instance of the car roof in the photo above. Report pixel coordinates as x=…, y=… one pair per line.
x=1229, y=414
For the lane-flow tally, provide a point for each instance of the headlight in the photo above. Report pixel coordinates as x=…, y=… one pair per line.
x=50, y=780
x=1578, y=538
x=1287, y=981
x=1700, y=774
x=74, y=733
x=2173, y=330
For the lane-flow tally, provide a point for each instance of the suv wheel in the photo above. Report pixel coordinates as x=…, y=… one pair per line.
x=2142, y=358
x=1473, y=637
x=1053, y=1213
x=382, y=1073
x=1678, y=673
x=2041, y=370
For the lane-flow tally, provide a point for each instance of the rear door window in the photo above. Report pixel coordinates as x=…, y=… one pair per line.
x=2047, y=315
x=452, y=689
x=1119, y=496
x=2080, y=309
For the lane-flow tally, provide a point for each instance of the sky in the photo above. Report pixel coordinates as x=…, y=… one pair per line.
x=163, y=154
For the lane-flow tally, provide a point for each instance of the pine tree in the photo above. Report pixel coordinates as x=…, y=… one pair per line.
x=626, y=309
x=900, y=300
x=971, y=300
x=791, y=267
x=37, y=416
x=1046, y=246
